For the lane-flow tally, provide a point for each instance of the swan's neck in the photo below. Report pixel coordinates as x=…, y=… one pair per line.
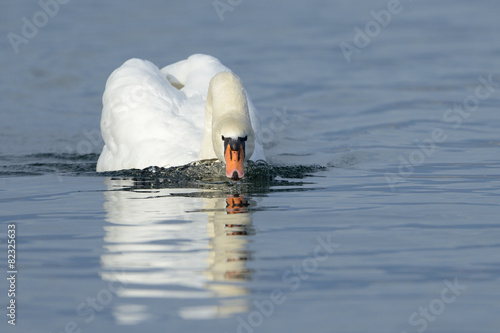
x=226, y=114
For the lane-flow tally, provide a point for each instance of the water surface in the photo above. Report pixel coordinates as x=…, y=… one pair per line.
x=378, y=210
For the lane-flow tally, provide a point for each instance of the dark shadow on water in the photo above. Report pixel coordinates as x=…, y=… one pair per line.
x=48, y=163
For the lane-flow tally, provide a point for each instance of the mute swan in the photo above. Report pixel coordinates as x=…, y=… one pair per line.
x=191, y=110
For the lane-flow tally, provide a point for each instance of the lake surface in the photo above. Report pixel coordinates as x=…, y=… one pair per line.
x=378, y=212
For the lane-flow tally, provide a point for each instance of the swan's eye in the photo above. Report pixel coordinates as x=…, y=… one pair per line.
x=223, y=138
x=245, y=138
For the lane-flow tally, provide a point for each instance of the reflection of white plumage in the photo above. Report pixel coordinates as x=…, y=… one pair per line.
x=156, y=246
x=157, y=117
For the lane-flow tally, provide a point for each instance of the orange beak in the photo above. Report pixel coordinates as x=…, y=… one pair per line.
x=234, y=162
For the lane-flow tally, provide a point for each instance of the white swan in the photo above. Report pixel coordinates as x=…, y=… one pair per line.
x=191, y=110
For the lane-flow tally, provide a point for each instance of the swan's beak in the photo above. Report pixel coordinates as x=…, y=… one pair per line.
x=234, y=162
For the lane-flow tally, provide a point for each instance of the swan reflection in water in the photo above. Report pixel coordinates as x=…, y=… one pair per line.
x=180, y=244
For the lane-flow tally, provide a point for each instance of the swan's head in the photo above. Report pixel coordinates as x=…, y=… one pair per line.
x=234, y=145
x=234, y=156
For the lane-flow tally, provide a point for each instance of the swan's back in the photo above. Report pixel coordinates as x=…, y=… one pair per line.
x=145, y=120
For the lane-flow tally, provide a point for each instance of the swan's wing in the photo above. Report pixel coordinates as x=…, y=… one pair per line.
x=193, y=74
x=258, y=151
x=144, y=120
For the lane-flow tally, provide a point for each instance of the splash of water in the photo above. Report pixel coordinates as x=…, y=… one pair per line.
x=207, y=174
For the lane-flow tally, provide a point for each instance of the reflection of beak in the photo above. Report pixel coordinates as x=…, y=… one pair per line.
x=234, y=162
x=236, y=204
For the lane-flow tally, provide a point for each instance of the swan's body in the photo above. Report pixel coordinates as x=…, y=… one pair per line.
x=188, y=111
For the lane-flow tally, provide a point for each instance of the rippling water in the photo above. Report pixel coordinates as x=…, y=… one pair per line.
x=378, y=210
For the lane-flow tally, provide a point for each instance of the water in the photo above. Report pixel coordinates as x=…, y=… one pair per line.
x=378, y=211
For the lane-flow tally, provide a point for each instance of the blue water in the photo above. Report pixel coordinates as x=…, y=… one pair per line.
x=378, y=211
